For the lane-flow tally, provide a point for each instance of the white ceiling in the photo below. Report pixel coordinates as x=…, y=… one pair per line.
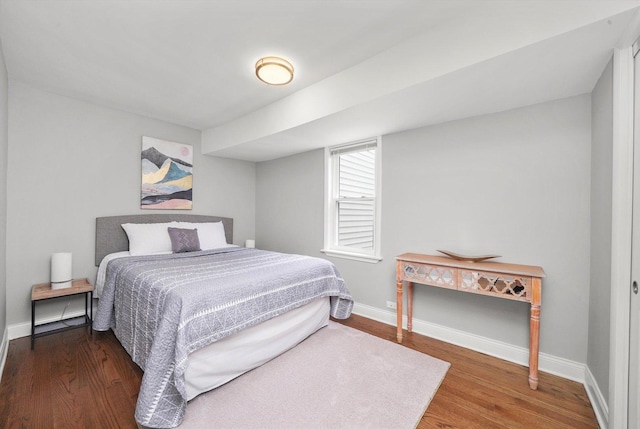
x=363, y=67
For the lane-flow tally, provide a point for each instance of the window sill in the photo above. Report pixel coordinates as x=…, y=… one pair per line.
x=353, y=256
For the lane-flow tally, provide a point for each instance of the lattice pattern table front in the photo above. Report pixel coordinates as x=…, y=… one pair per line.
x=502, y=285
x=430, y=274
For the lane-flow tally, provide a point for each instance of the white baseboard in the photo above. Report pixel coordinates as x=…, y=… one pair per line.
x=598, y=402
x=4, y=349
x=561, y=367
x=20, y=330
x=552, y=364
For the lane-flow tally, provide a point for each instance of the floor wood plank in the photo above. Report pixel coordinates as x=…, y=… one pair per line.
x=76, y=380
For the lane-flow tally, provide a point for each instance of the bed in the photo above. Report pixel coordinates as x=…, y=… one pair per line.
x=195, y=320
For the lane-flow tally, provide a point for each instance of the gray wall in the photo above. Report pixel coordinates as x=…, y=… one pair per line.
x=601, y=211
x=514, y=183
x=4, y=97
x=73, y=161
x=289, y=204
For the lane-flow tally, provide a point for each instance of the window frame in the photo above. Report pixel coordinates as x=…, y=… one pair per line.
x=331, y=247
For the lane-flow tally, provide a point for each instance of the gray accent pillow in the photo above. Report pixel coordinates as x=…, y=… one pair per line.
x=184, y=240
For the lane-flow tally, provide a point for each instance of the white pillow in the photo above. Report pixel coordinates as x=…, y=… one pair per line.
x=210, y=234
x=148, y=238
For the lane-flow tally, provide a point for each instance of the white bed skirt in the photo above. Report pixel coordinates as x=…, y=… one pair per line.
x=231, y=357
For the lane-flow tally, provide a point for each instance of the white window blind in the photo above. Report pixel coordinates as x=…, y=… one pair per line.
x=352, y=224
x=355, y=199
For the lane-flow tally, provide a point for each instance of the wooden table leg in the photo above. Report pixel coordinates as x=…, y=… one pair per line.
x=534, y=333
x=399, y=311
x=409, y=306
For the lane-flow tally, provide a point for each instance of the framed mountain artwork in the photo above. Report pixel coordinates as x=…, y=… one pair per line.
x=167, y=175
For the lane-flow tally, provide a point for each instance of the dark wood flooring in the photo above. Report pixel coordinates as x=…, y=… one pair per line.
x=76, y=380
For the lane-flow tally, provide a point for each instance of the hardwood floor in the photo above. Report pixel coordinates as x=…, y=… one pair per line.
x=481, y=391
x=76, y=380
x=70, y=380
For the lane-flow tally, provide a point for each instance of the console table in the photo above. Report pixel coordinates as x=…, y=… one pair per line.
x=501, y=280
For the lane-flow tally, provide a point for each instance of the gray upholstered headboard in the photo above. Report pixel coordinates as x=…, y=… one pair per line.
x=110, y=237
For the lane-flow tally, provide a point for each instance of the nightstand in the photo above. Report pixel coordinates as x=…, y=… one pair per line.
x=43, y=291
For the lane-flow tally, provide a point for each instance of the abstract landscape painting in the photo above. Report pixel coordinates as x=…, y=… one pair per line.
x=167, y=175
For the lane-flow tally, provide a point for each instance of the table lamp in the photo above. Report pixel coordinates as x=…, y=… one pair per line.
x=61, y=275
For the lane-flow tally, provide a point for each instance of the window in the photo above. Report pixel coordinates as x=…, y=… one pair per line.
x=352, y=203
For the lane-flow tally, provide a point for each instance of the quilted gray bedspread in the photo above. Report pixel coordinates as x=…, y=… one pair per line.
x=163, y=307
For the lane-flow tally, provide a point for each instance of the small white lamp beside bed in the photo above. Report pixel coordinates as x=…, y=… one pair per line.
x=61, y=270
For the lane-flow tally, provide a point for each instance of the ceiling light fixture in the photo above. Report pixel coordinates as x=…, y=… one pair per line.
x=274, y=70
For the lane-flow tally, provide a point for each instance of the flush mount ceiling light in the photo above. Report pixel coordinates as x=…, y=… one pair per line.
x=274, y=70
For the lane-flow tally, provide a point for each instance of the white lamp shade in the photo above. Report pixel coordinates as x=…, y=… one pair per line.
x=61, y=270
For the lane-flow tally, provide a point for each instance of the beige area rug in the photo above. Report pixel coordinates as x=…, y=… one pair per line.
x=337, y=378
